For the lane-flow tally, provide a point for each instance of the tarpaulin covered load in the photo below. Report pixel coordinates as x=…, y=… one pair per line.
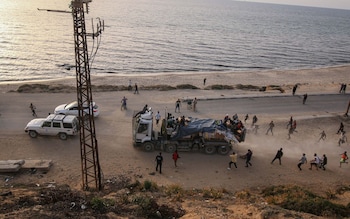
x=195, y=126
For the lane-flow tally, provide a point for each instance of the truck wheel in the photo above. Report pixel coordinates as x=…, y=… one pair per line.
x=196, y=147
x=33, y=134
x=223, y=150
x=209, y=150
x=62, y=136
x=171, y=148
x=148, y=147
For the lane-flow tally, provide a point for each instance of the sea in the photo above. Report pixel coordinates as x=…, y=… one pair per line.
x=169, y=36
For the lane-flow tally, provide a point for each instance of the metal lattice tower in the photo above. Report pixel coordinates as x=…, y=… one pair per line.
x=91, y=170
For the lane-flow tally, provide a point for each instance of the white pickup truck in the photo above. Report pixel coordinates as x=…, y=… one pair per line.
x=61, y=125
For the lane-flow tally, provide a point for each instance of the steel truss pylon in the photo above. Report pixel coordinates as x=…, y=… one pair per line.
x=91, y=171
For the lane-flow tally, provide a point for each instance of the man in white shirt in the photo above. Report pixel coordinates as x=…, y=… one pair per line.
x=315, y=162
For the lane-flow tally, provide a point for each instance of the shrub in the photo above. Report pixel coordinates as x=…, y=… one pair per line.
x=212, y=193
x=150, y=186
x=101, y=205
x=159, y=87
x=175, y=191
x=221, y=87
x=248, y=87
x=186, y=86
x=146, y=205
x=298, y=199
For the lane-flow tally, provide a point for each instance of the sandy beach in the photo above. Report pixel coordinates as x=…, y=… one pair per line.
x=118, y=156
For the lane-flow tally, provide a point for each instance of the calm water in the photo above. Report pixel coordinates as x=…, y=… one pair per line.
x=155, y=36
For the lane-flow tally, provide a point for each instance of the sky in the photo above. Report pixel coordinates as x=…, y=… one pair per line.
x=341, y=4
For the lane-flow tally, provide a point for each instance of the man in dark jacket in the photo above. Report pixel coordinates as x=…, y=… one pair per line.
x=248, y=157
x=278, y=156
x=159, y=160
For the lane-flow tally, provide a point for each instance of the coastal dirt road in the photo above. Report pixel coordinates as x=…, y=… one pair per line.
x=117, y=156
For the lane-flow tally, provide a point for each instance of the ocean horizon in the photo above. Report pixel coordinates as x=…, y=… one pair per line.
x=167, y=37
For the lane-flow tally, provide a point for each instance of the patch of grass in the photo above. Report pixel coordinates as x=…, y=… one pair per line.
x=136, y=186
x=299, y=199
x=212, y=193
x=342, y=189
x=26, y=88
x=175, y=191
x=244, y=195
x=159, y=87
x=101, y=205
x=221, y=87
x=146, y=205
x=247, y=87
x=186, y=86
x=105, y=88
x=150, y=186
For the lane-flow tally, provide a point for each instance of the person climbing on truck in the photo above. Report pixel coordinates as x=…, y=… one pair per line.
x=145, y=108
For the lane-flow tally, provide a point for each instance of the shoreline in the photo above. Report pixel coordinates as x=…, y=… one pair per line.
x=320, y=80
x=321, y=70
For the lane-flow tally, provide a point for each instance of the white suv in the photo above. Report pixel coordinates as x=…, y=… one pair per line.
x=72, y=109
x=61, y=125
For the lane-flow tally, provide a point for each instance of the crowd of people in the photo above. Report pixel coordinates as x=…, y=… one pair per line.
x=316, y=163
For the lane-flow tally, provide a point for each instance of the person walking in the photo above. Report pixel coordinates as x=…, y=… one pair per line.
x=204, y=81
x=294, y=89
x=343, y=158
x=33, y=108
x=157, y=117
x=342, y=88
x=123, y=101
x=323, y=136
x=290, y=123
x=324, y=162
x=195, y=104
x=177, y=105
x=233, y=161
x=304, y=98
x=246, y=118
x=129, y=86
x=248, y=157
x=136, y=89
x=255, y=120
x=302, y=161
x=290, y=131
x=341, y=128
x=271, y=125
x=278, y=156
x=175, y=157
x=342, y=138
x=159, y=160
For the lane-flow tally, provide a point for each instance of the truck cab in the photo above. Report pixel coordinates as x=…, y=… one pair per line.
x=143, y=130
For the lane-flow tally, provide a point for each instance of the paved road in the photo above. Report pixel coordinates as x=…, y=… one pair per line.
x=315, y=104
x=16, y=114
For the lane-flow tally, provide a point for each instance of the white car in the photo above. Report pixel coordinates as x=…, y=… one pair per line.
x=72, y=109
x=61, y=125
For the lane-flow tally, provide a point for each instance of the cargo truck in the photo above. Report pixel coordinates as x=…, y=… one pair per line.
x=209, y=136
